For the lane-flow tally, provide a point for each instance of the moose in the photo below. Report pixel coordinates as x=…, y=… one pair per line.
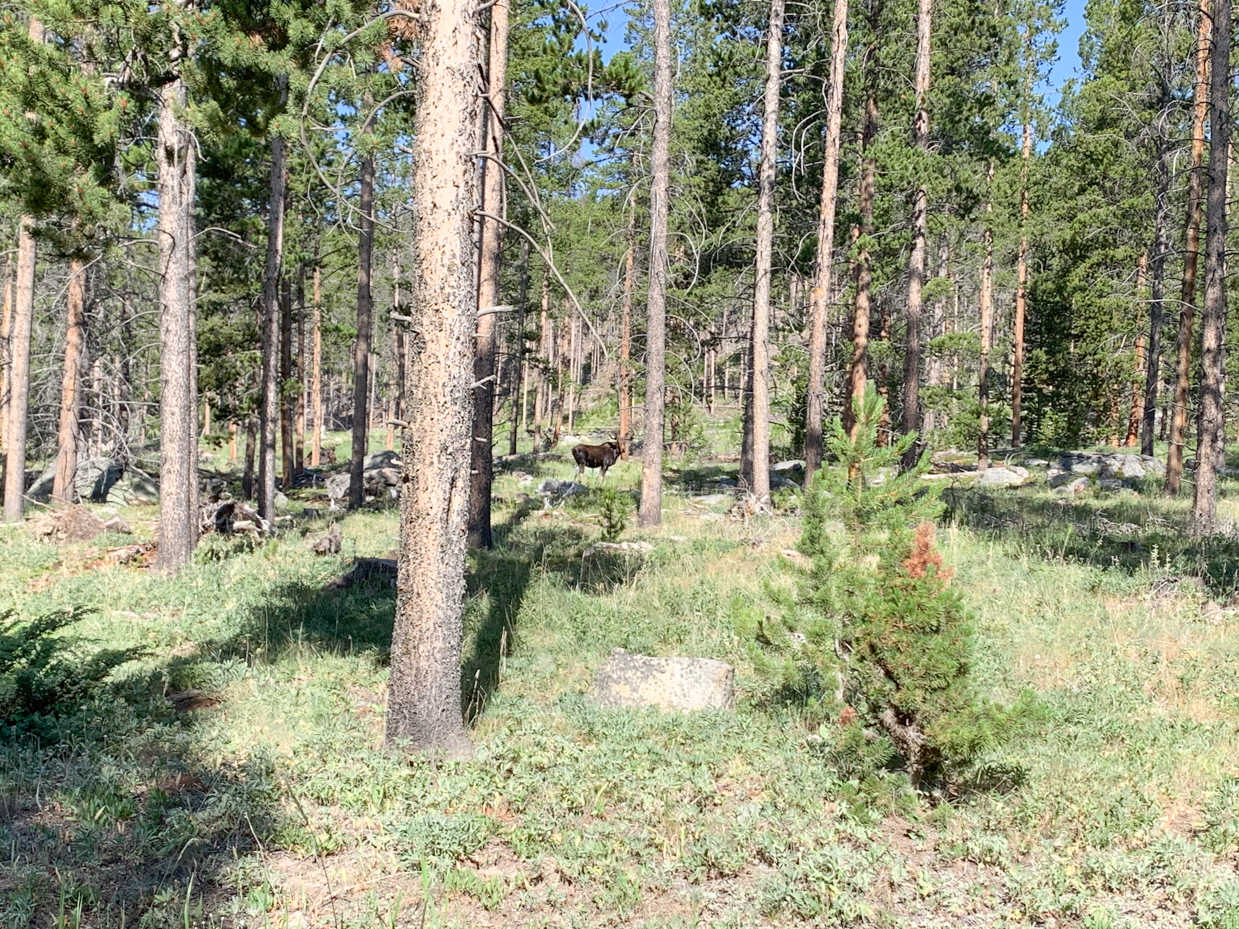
x=595, y=456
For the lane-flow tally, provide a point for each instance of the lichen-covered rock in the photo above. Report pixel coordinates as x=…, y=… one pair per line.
x=627, y=679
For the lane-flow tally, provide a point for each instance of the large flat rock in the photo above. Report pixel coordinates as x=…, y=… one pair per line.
x=627, y=679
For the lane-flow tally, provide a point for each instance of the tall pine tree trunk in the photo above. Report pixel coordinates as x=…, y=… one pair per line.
x=19, y=374
x=1137, y=395
x=920, y=229
x=361, y=347
x=71, y=384
x=287, y=404
x=862, y=269
x=1157, y=275
x=1191, y=255
x=316, y=369
x=625, y=347
x=491, y=253
x=819, y=296
x=1021, y=284
x=758, y=409
x=987, y=319
x=299, y=460
x=178, y=404
x=519, y=380
x=650, y=510
x=1213, y=314
x=269, y=388
x=424, y=707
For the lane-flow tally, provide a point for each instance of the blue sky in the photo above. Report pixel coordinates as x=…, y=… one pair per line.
x=1064, y=69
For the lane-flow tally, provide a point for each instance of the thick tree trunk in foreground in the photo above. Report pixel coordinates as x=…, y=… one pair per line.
x=269, y=390
x=819, y=296
x=918, y=258
x=650, y=511
x=361, y=347
x=491, y=253
x=1191, y=255
x=19, y=375
x=71, y=384
x=758, y=407
x=424, y=706
x=178, y=402
x=1213, y=314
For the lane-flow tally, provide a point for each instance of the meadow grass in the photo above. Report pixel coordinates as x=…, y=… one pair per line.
x=272, y=803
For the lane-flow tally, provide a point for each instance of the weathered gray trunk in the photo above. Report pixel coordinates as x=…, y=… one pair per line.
x=1213, y=314
x=178, y=402
x=491, y=253
x=518, y=381
x=269, y=389
x=920, y=229
x=650, y=511
x=424, y=705
x=819, y=296
x=316, y=369
x=1157, y=273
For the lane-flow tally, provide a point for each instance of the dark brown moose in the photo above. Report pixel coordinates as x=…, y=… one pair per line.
x=595, y=456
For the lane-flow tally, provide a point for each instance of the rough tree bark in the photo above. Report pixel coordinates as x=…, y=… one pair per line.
x=819, y=296
x=424, y=706
x=1137, y=394
x=70, y=385
x=287, y=402
x=1213, y=313
x=987, y=320
x=361, y=347
x=650, y=510
x=316, y=369
x=19, y=374
x=862, y=269
x=482, y=467
x=625, y=349
x=757, y=410
x=175, y=150
x=1157, y=272
x=1191, y=256
x=269, y=389
x=1021, y=281
x=920, y=229
x=519, y=381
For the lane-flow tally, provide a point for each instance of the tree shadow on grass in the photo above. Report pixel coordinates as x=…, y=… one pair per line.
x=1115, y=531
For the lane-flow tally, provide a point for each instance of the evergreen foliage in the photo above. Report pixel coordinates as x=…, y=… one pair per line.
x=885, y=611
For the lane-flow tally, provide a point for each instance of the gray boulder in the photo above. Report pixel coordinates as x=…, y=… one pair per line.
x=384, y=459
x=627, y=679
x=96, y=477
x=1009, y=476
x=337, y=488
x=1122, y=467
x=1075, y=485
x=135, y=488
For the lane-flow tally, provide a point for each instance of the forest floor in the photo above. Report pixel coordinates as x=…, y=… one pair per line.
x=261, y=796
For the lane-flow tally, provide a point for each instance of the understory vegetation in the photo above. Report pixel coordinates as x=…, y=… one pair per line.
x=226, y=770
